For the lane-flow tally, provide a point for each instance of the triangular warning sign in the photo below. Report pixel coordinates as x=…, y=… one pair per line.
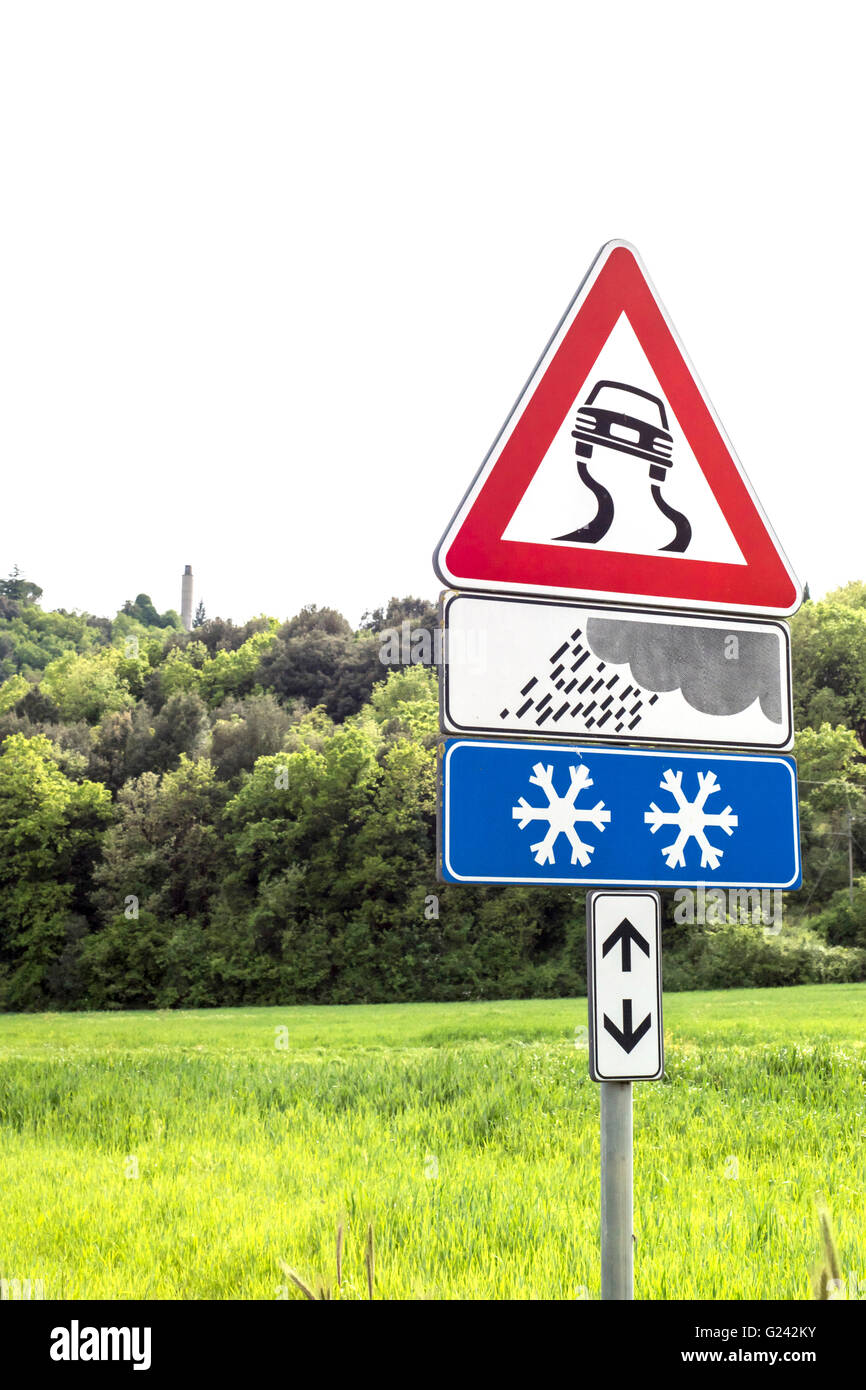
x=612, y=477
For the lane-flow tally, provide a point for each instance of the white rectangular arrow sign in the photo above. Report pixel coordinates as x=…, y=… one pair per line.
x=623, y=951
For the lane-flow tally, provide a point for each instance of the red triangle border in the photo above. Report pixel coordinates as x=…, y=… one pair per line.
x=474, y=555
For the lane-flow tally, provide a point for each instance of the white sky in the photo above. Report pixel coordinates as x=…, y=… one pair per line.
x=272, y=275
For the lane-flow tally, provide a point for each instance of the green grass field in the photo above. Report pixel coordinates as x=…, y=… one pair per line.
x=467, y=1133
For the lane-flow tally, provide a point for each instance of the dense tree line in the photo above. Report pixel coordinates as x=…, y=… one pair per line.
x=246, y=814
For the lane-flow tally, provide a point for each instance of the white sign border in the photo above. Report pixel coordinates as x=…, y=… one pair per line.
x=592, y=984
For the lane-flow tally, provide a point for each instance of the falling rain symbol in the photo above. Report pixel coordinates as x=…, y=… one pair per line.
x=599, y=426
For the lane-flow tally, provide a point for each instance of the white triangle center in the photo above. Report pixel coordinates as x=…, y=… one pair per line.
x=629, y=510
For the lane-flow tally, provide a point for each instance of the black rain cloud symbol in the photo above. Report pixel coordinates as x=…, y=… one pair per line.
x=699, y=661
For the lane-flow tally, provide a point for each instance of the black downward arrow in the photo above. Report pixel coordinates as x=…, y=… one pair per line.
x=629, y=1037
x=626, y=933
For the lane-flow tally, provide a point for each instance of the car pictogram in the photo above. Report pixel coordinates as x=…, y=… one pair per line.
x=600, y=425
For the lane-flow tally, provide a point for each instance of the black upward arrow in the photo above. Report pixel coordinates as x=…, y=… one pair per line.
x=629, y=1037
x=626, y=933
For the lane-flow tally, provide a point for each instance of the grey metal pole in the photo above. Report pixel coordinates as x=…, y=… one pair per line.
x=850, y=859
x=617, y=1254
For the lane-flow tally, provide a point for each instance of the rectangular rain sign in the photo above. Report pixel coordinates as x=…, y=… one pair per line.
x=533, y=668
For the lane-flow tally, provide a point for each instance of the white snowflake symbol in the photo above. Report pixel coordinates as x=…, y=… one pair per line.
x=561, y=814
x=691, y=819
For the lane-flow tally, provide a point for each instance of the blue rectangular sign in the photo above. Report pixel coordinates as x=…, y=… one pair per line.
x=542, y=813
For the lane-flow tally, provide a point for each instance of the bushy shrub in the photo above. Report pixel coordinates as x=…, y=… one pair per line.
x=843, y=921
x=735, y=956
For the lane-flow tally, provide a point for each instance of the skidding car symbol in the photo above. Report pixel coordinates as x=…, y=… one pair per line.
x=599, y=425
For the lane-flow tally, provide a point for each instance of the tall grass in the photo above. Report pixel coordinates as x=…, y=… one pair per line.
x=467, y=1135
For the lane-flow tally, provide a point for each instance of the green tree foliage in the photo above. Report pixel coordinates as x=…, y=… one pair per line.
x=417, y=612
x=163, y=845
x=72, y=743
x=109, y=756
x=832, y=777
x=50, y=830
x=181, y=670
x=143, y=611
x=843, y=920
x=159, y=871
x=216, y=675
x=405, y=631
x=246, y=814
x=129, y=742
x=19, y=589
x=236, y=673
x=736, y=954
x=334, y=880
x=246, y=730
x=829, y=661
x=221, y=635
x=181, y=729
x=87, y=686
x=31, y=638
x=11, y=691
x=314, y=619
x=334, y=669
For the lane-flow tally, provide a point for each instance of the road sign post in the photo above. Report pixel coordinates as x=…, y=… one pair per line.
x=617, y=1203
x=614, y=582
x=626, y=1043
